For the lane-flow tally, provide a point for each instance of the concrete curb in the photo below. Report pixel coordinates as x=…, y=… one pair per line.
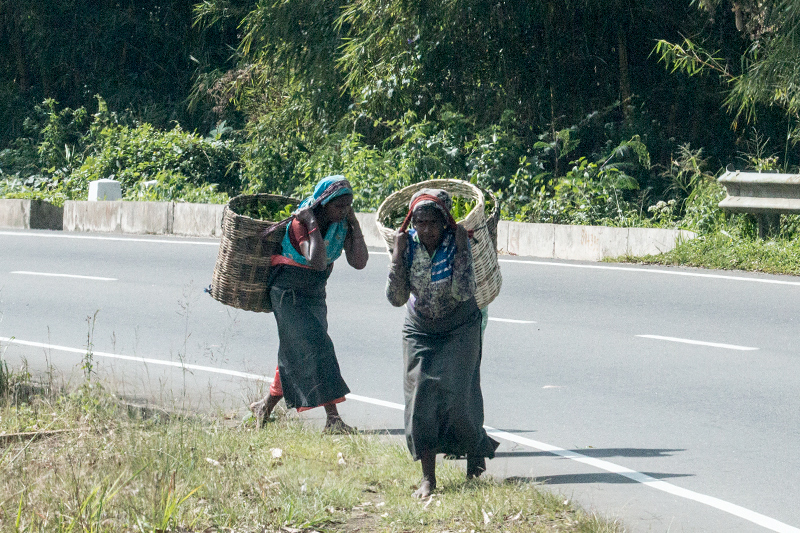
x=552, y=241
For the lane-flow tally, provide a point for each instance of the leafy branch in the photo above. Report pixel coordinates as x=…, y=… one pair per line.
x=690, y=58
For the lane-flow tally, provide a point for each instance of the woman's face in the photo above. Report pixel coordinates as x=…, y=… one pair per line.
x=430, y=226
x=336, y=210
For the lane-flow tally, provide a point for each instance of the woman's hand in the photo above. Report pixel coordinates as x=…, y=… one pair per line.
x=306, y=216
x=355, y=248
x=400, y=246
x=314, y=248
x=352, y=221
x=462, y=237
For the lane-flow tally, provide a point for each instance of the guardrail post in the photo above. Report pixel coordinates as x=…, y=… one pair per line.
x=768, y=224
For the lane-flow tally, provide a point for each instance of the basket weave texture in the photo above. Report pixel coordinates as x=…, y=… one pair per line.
x=245, y=253
x=493, y=218
x=484, y=237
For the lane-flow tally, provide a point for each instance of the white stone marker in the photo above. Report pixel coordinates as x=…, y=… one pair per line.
x=104, y=189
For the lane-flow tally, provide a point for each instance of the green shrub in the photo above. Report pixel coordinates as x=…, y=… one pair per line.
x=593, y=193
x=168, y=187
x=40, y=163
x=63, y=150
x=132, y=155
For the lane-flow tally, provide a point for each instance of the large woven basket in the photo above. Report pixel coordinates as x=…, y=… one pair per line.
x=245, y=252
x=484, y=245
x=492, y=218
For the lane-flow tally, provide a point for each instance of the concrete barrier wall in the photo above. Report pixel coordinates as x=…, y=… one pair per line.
x=552, y=241
x=103, y=217
x=152, y=218
x=199, y=220
x=584, y=243
x=30, y=214
x=15, y=214
x=371, y=234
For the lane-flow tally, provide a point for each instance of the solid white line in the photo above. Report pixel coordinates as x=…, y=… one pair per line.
x=716, y=503
x=513, y=321
x=49, y=274
x=699, y=343
x=654, y=271
x=176, y=364
x=98, y=238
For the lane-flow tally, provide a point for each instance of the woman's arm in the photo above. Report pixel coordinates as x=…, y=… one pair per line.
x=355, y=249
x=463, y=286
x=398, y=288
x=314, y=248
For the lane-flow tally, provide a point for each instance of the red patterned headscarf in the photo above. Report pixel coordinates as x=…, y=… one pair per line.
x=438, y=199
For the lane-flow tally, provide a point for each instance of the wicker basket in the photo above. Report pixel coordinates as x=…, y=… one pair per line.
x=494, y=217
x=243, y=262
x=484, y=244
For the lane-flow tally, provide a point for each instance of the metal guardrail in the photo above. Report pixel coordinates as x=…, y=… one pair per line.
x=765, y=195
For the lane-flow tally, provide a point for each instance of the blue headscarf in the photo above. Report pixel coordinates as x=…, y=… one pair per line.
x=338, y=185
x=326, y=190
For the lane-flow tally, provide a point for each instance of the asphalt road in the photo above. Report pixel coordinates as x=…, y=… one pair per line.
x=666, y=398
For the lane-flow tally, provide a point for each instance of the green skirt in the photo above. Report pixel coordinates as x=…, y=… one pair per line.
x=444, y=404
x=307, y=362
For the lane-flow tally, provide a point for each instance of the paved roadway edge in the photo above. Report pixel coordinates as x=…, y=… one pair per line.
x=644, y=479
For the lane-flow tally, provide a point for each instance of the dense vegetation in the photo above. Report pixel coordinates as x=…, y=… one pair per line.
x=584, y=112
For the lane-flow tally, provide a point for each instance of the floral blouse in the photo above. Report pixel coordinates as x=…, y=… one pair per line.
x=434, y=296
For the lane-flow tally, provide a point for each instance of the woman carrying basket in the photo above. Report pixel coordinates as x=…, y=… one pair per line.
x=308, y=373
x=432, y=273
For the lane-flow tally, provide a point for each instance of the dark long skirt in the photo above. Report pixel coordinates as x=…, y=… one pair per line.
x=307, y=362
x=444, y=404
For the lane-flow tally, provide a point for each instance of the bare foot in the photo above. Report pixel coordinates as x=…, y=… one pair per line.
x=263, y=408
x=425, y=489
x=336, y=426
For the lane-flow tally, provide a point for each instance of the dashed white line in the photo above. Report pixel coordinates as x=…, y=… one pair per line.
x=53, y=275
x=520, y=261
x=511, y=320
x=700, y=343
x=716, y=503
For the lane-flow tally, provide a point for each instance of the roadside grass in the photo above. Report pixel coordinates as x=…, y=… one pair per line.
x=83, y=461
x=726, y=252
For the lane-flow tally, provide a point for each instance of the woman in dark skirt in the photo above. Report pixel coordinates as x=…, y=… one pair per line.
x=308, y=373
x=432, y=274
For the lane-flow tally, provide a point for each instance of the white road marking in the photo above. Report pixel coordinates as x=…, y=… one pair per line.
x=215, y=242
x=511, y=320
x=699, y=343
x=669, y=488
x=176, y=364
x=716, y=503
x=50, y=274
x=98, y=238
x=654, y=271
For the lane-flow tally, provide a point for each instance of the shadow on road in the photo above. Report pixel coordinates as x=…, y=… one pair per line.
x=382, y=432
x=575, y=479
x=599, y=452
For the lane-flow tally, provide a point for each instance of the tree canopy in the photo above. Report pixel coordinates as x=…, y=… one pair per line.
x=517, y=96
